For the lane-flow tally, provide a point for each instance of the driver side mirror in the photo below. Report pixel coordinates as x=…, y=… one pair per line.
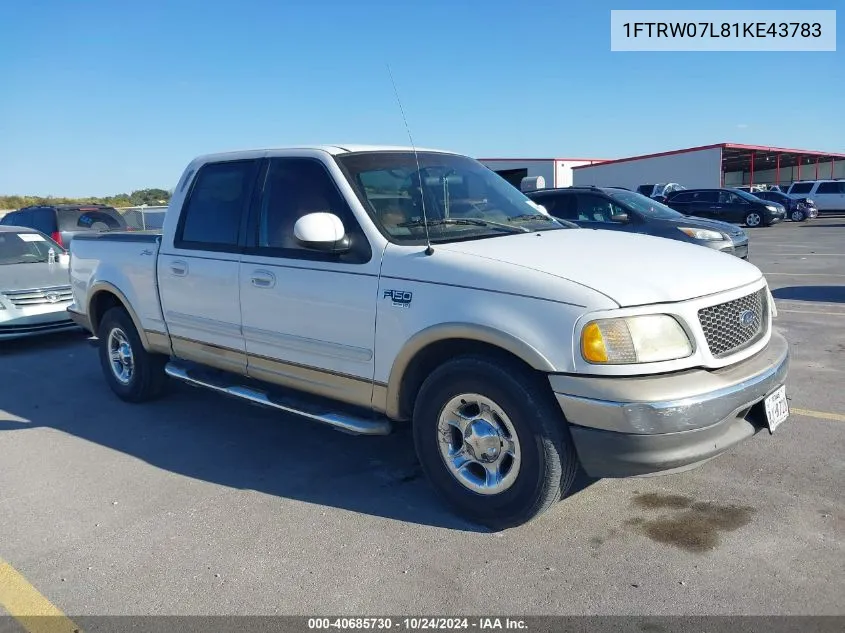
x=622, y=218
x=322, y=232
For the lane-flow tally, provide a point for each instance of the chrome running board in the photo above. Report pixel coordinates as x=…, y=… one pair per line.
x=347, y=423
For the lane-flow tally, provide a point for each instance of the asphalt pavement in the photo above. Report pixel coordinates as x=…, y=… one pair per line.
x=198, y=504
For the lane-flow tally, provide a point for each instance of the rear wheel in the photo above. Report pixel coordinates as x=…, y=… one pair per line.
x=753, y=219
x=133, y=373
x=492, y=442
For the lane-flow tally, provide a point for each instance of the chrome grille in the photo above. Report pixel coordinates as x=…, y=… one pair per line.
x=39, y=296
x=732, y=326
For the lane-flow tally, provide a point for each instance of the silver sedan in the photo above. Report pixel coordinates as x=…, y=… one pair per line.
x=34, y=284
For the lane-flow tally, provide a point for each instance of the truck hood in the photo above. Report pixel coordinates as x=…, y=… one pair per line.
x=630, y=269
x=34, y=275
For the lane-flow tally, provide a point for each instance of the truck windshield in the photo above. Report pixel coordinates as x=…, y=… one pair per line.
x=26, y=248
x=646, y=206
x=462, y=199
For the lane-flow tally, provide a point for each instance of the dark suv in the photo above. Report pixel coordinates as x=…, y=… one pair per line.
x=727, y=205
x=618, y=209
x=63, y=221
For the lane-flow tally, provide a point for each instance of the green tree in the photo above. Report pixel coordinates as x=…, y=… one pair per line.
x=150, y=197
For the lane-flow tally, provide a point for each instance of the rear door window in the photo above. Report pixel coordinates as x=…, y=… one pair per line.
x=801, y=187
x=707, y=197
x=830, y=187
x=43, y=220
x=592, y=208
x=90, y=219
x=212, y=215
x=561, y=206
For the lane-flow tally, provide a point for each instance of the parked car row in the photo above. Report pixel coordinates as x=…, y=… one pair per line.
x=618, y=209
x=728, y=205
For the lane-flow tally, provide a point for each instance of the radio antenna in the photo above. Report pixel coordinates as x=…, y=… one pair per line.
x=428, y=249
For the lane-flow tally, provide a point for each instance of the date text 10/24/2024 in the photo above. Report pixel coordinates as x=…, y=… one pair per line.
x=417, y=624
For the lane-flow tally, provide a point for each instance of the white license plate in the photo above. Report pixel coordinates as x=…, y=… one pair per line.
x=777, y=408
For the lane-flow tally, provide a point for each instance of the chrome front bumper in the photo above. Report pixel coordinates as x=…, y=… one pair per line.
x=16, y=323
x=650, y=424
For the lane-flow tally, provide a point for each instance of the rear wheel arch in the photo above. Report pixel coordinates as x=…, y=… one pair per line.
x=433, y=346
x=105, y=296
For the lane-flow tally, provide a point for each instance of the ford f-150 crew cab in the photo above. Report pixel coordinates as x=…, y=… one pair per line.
x=364, y=287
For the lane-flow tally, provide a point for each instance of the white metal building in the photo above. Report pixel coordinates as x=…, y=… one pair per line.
x=720, y=165
x=556, y=172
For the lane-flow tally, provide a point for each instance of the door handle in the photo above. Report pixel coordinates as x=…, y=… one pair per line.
x=179, y=268
x=263, y=279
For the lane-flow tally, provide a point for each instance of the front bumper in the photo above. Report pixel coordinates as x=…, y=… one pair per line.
x=644, y=425
x=16, y=323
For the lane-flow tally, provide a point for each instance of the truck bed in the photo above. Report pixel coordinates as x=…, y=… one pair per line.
x=125, y=261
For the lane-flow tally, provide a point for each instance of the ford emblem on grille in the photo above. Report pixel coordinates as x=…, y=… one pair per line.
x=52, y=297
x=747, y=318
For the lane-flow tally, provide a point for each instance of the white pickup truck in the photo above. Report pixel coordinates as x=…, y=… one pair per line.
x=364, y=287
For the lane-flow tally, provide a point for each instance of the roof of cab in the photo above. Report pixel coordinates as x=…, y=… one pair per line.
x=334, y=150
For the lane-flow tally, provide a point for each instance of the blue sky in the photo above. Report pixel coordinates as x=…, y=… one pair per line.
x=100, y=96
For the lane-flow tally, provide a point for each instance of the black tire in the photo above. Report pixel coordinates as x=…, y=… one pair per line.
x=147, y=380
x=798, y=216
x=548, y=461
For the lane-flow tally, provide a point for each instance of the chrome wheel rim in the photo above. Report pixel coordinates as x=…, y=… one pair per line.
x=753, y=219
x=478, y=444
x=121, y=359
x=797, y=216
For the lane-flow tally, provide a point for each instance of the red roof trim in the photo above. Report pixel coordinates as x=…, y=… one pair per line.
x=759, y=148
x=783, y=150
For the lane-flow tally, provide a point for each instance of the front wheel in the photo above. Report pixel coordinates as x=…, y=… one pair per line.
x=798, y=216
x=133, y=373
x=753, y=219
x=492, y=442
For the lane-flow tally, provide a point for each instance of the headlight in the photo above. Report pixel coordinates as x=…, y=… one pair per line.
x=702, y=234
x=771, y=208
x=637, y=339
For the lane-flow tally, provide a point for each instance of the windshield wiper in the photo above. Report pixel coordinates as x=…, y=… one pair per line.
x=541, y=216
x=465, y=221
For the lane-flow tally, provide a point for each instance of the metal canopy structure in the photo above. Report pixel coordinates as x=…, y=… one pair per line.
x=751, y=159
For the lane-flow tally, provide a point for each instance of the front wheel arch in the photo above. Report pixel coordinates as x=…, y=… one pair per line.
x=410, y=372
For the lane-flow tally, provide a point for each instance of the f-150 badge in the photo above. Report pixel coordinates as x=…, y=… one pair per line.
x=399, y=298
